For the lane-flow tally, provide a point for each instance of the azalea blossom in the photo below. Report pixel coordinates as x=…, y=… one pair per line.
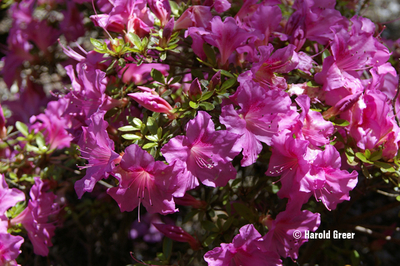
x=280, y=236
x=327, y=181
x=256, y=120
x=246, y=249
x=9, y=248
x=145, y=181
x=289, y=161
x=205, y=153
x=96, y=147
x=36, y=218
x=8, y=196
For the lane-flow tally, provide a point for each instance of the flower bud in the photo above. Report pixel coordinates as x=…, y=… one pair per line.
x=167, y=33
x=152, y=102
x=161, y=9
x=215, y=80
x=178, y=234
x=189, y=200
x=195, y=90
x=342, y=106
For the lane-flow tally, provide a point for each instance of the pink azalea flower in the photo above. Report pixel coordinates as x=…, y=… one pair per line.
x=19, y=53
x=145, y=181
x=326, y=181
x=288, y=160
x=141, y=74
x=315, y=128
x=161, y=9
x=352, y=51
x=197, y=34
x=72, y=26
x=280, y=236
x=194, y=16
x=372, y=124
x=256, y=21
x=36, y=217
x=245, y=249
x=312, y=21
x=206, y=153
x=9, y=248
x=256, y=120
x=96, y=147
x=87, y=95
x=226, y=36
x=8, y=196
x=121, y=13
x=53, y=124
x=9, y=244
x=282, y=60
x=28, y=102
x=221, y=5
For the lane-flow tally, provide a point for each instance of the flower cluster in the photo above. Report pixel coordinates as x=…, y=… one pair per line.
x=183, y=100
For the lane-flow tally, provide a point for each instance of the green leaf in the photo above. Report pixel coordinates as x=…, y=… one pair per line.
x=152, y=125
x=29, y=148
x=158, y=48
x=243, y=211
x=376, y=155
x=193, y=105
x=225, y=73
x=325, y=54
x=207, y=95
x=274, y=188
x=227, y=84
x=145, y=42
x=210, y=239
x=22, y=128
x=167, y=248
x=40, y=141
x=209, y=53
x=149, y=145
x=174, y=8
x=209, y=226
x=355, y=258
x=203, y=62
x=175, y=80
x=157, y=76
x=207, y=106
x=131, y=137
x=189, y=216
x=197, y=74
x=385, y=167
x=367, y=153
x=137, y=122
x=96, y=43
x=340, y=122
x=362, y=158
x=152, y=138
x=17, y=209
x=228, y=223
x=128, y=128
x=172, y=46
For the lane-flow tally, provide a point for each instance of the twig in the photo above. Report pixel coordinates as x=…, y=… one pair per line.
x=387, y=194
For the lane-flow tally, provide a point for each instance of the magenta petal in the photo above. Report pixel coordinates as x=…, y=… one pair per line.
x=8, y=196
